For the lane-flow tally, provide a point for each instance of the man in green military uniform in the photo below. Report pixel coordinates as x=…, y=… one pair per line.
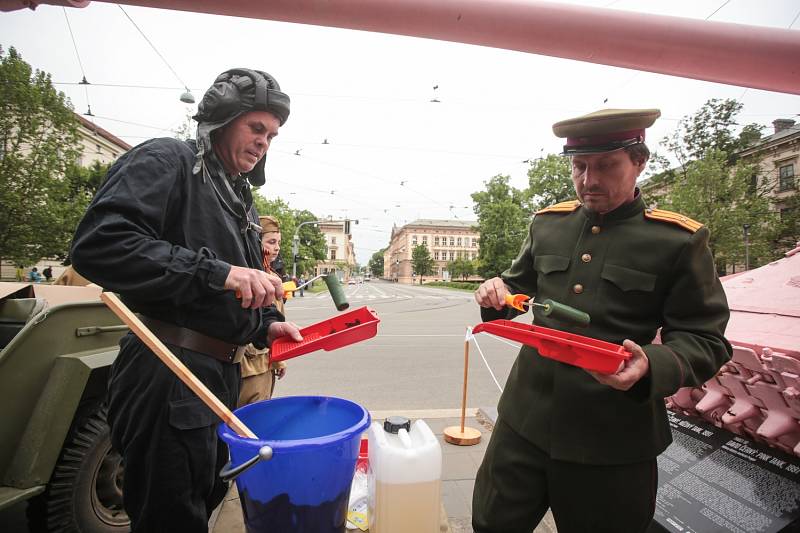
x=581, y=443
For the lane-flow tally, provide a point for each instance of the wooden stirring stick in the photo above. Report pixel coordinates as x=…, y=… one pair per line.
x=175, y=365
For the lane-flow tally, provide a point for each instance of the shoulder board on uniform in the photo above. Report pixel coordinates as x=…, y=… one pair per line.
x=563, y=207
x=671, y=217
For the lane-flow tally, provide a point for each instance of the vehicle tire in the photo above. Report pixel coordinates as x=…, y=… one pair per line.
x=85, y=491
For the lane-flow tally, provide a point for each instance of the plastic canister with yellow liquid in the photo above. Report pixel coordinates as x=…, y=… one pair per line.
x=405, y=477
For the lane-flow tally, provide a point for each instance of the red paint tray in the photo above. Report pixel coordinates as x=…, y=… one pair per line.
x=341, y=330
x=577, y=350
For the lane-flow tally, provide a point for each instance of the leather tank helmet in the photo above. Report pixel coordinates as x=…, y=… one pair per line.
x=235, y=92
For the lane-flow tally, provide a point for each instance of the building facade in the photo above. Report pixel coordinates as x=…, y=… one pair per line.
x=339, y=256
x=778, y=159
x=446, y=241
x=778, y=155
x=96, y=144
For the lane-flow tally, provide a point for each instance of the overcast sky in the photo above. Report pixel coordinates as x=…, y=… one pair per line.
x=392, y=155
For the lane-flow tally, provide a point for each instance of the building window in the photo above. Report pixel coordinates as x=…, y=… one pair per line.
x=435, y=256
x=414, y=240
x=459, y=241
x=425, y=240
x=752, y=184
x=99, y=151
x=474, y=243
x=466, y=242
x=436, y=241
x=452, y=255
x=333, y=240
x=333, y=255
x=452, y=241
x=786, y=177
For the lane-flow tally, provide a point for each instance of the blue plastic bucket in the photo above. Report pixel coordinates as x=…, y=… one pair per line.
x=306, y=485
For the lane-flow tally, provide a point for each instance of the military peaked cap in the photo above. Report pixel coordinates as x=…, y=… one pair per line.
x=605, y=130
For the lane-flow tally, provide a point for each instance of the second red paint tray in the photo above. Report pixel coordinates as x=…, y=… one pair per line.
x=341, y=330
x=577, y=350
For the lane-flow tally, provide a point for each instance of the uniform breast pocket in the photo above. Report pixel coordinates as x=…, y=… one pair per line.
x=628, y=292
x=551, y=272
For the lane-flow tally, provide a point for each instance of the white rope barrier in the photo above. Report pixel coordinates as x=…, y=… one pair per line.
x=485, y=362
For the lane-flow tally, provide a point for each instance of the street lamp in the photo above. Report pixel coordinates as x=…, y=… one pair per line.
x=746, y=228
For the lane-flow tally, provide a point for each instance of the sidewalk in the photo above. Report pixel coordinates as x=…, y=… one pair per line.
x=459, y=466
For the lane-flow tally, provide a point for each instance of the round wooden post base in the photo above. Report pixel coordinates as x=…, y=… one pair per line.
x=469, y=437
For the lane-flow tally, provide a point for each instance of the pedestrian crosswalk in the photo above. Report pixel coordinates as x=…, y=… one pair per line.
x=375, y=291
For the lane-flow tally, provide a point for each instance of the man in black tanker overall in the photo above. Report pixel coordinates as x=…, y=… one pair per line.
x=174, y=232
x=580, y=443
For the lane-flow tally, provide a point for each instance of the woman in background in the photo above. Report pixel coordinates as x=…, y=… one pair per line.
x=258, y=375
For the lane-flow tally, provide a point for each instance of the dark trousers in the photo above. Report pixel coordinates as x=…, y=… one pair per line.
x=517, y=482
x=167, y=437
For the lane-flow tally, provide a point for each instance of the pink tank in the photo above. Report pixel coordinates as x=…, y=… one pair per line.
x=757, y=394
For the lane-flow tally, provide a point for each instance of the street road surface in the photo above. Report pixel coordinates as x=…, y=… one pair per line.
x=416, y=361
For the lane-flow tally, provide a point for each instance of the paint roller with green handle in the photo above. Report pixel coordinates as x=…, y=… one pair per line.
x=334, y=287
x=336, y=290
x=555, y=310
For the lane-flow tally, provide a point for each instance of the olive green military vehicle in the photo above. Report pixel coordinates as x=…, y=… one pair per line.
x=55, y=450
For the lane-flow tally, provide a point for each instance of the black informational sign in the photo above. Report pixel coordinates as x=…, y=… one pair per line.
x=711, y=480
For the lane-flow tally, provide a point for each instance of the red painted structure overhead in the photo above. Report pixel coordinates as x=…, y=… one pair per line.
x=736, y=54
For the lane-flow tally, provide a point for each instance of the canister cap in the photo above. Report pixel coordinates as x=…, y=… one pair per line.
x=393, y=424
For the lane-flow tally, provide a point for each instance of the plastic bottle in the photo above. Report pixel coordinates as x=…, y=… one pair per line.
x=405, y=477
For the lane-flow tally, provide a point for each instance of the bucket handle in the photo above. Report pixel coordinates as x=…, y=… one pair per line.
x=227, y=473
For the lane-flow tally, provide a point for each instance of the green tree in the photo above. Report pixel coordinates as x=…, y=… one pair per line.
x=461, y=268
x=468, y=269
x=454, y=268
x=312, y=243
x=550, y=181
x=38, y=143
x=711, y=128
x=85, y=181
x=721, y=197
x=83, y=185
x=188, y=128
x=714, y=186
x=790, y=224
x=375, y=264
x=422, y=261
x=282, y=212
x=503, y=218
x=312, y=247
x=342, y=266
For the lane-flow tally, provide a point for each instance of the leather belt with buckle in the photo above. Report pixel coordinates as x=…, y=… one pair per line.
x=194, y=340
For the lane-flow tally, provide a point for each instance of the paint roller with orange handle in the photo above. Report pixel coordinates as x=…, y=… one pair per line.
x=552, y=309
